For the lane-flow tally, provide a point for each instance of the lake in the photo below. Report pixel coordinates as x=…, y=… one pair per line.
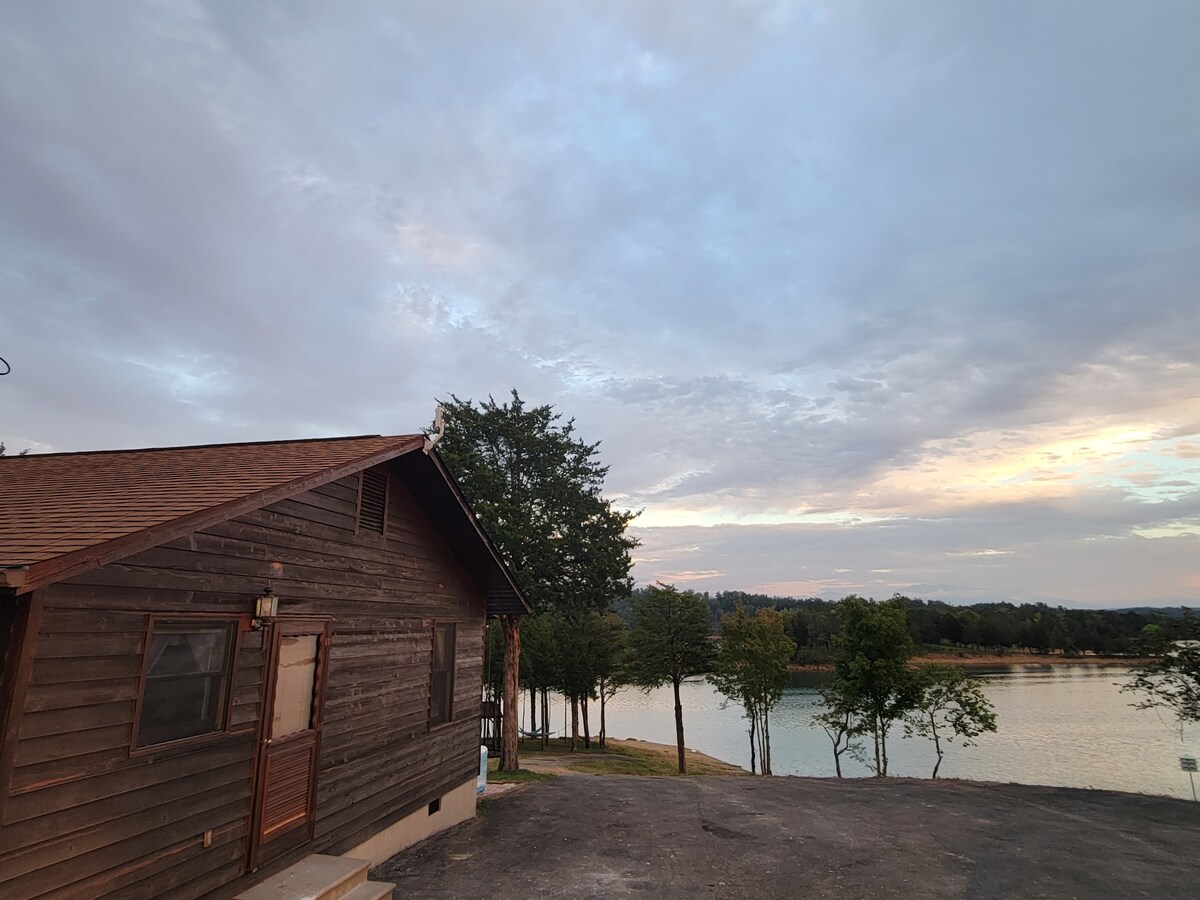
x=1061, y=725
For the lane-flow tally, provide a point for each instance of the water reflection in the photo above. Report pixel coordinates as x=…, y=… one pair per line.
x=1060, y=725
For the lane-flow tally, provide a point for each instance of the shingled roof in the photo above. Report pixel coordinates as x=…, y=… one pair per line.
x=62, y=513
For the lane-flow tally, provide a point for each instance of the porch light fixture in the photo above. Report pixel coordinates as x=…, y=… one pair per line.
x=266, y=607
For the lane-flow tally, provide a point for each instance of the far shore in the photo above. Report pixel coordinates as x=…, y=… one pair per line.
x=983, y=660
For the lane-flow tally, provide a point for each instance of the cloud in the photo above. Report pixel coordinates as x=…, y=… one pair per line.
x=882, y=287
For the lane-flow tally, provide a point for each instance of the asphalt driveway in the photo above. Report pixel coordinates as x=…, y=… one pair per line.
x=608, y=836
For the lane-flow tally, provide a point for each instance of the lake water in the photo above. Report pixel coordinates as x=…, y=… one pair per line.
x=1062, y=725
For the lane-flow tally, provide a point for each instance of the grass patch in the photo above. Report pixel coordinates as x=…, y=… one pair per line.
x=620, y=757
x=642, y=758
x=557, y=747
x=624, y=765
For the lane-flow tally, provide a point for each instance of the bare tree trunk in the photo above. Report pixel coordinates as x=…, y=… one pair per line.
x=679, y=729
x=574, y=723
x=512, y=665
x=753, y=728
x=883, y=747
x=766, y=742
x=837, y=737
x=603, y=701
x=878, y=758
x=545, y=718
x=937, y=745
x=533, y=711
x=587, y=731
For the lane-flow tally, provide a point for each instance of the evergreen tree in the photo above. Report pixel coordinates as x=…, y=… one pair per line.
x=536, y=489
x=670, y=642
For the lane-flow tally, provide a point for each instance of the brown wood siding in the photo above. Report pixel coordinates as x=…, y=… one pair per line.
x=85, y=818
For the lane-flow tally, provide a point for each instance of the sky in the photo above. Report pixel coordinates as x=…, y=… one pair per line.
x=858, y=297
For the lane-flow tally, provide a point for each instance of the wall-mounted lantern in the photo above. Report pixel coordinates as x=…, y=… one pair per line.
x=266, y=607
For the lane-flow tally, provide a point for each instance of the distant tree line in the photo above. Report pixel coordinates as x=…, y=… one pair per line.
x=813, y=625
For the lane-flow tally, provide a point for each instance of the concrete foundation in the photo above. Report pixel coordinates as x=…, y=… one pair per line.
x=456, y=806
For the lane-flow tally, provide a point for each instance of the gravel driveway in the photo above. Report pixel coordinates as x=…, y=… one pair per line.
x=608, y=836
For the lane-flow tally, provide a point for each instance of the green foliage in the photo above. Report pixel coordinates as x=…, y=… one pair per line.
x=1172, y=680
x=752, y=658
x=670, y=640
x=536, y=489
x=540, y=656
x=751, y=668
x=983, y=627
x=610, y=643
x=871, y=678
x=841, y=723
x=577, y=653
x=950, y=707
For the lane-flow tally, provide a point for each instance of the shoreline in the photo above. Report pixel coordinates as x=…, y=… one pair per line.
x=621, y=753
x=974, y=660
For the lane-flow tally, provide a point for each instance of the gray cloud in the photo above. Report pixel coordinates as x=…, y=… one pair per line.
x=786, y=260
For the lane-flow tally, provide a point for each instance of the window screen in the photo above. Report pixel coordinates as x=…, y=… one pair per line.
x=187, y=680
x=441, y=684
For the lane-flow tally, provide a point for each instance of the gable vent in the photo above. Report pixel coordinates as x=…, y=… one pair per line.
x=372, y=502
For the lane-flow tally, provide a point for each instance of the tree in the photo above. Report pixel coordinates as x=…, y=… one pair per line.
x=611, y=665
x=871, y=677
x=3, y=450
x=1171, y=681
x=841, y=724
x=751, y=668
x=536, y=489
x=539, y=667
x=950, y=706
x=670, y=642
x=576, y=676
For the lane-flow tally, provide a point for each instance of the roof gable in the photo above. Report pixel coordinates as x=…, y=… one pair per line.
x=64, y=513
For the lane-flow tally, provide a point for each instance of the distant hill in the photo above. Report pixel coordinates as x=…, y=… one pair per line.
x=1170, y=612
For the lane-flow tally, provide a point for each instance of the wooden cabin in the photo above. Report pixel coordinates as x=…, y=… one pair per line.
x=166, y=732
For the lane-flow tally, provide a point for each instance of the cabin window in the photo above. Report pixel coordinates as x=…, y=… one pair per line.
x=185, y=685
x=441, y=682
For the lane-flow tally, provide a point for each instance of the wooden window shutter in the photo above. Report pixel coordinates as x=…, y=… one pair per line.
x=372, y=501
x=290, y=774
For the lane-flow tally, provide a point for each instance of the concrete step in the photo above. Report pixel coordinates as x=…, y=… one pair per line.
x=371, y=890
x=315, y=877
